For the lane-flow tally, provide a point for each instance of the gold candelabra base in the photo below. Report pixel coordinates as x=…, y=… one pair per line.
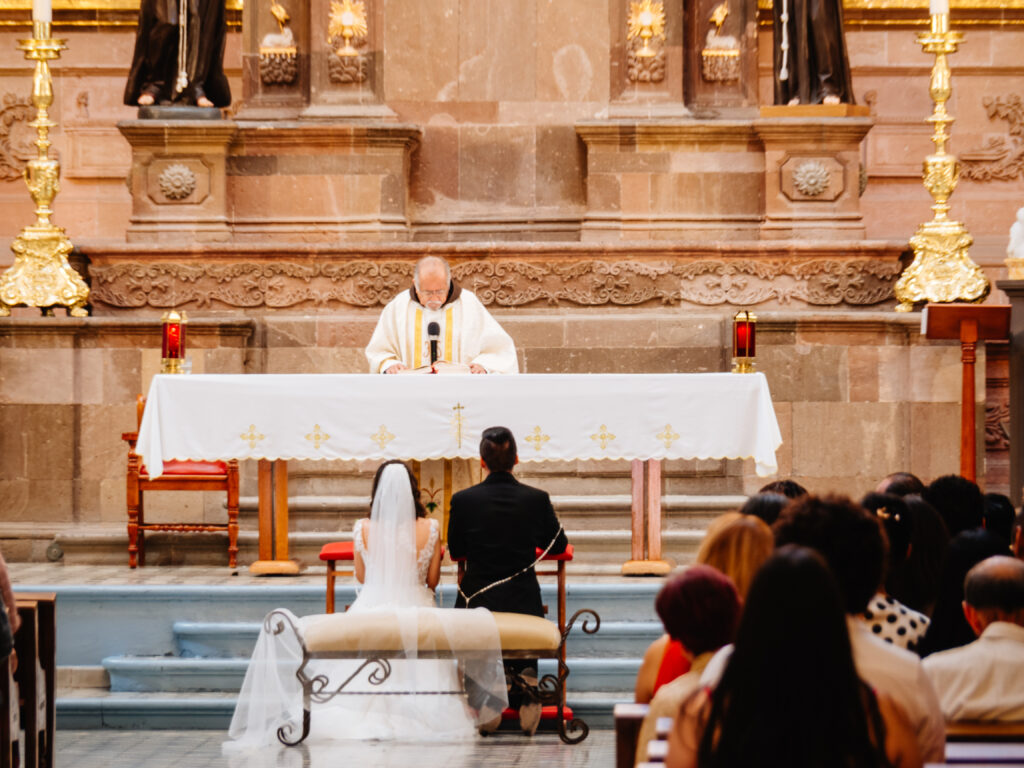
x=41, y=276
x=743, y=365
x=942, y=270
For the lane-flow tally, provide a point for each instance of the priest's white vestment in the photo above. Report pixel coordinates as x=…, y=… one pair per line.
x=468, y=334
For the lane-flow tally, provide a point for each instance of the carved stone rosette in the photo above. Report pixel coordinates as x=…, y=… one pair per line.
x=858, y=281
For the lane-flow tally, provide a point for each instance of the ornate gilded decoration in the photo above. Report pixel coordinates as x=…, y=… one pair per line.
x=1002, y=158
x=811, y=178
x=941, y=271
x=347, y=21
x=603, y=436
x=458, y=422
x=537, y=438
x=317, y=436
x=279, y=56
x=41, y=275
x=499, y=283
x=252, y=437
x=720, y=57
x=177, y=182
x=382, y=437
x=667, y=436
x=644, y=69
x=646, y=22
x=15, y=136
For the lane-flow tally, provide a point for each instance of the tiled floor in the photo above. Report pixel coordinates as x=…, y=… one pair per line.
x=195, y=749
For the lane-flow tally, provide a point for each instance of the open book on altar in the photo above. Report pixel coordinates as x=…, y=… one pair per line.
x=441, y=366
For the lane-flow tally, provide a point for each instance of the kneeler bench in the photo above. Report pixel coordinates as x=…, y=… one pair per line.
x=376, y=638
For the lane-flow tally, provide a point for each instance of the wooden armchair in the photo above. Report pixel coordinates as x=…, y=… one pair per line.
x=177, y=476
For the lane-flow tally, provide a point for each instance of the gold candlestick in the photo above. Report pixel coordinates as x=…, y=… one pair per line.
x=41, y=275
x=941, y=270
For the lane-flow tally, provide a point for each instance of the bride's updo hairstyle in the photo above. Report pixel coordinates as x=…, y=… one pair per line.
x=421, y=511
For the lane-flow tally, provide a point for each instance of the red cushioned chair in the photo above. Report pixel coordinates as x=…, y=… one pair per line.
x=177, y=476
x=343, y=551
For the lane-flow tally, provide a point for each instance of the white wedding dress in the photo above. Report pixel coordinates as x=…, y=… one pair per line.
x=394, y=585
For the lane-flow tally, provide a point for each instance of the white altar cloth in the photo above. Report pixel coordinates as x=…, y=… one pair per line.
x=553, y=416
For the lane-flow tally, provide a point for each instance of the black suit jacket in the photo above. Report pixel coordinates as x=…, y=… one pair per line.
x=497, y=526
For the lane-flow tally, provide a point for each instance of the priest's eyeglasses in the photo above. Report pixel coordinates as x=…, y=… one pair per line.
x=439, y=292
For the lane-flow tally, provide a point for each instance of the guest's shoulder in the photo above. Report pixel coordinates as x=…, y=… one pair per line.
x=948, y=659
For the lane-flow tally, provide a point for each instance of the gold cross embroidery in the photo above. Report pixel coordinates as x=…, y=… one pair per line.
x=252, y=436
x=458, y=422
x=603, y=436
x=667, y=436
x=317, y=436
x=382, y=437
x=537, y=438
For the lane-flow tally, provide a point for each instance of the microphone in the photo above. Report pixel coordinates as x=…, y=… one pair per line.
x=433, y=332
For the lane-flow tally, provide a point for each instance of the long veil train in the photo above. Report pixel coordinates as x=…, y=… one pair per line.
x=393, y=590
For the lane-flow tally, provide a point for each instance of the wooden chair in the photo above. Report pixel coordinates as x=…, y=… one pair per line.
x=333, y=553
x=177, y=476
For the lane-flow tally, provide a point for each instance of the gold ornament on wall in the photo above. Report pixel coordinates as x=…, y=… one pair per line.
x=348, y=20
x=41, y=276
x=942, y=270
x=646, y=22
x=720, y=57
x=279, y=56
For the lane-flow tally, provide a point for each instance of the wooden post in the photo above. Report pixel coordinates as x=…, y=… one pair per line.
x=273, y=521
x=645, y=547
x=968, y=356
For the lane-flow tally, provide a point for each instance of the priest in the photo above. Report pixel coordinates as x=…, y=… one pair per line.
x=437, y=319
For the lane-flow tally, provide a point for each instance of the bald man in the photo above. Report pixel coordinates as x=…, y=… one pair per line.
x=466, y=332
x=984, y=680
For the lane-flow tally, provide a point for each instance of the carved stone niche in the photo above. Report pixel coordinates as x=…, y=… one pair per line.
x=811, y=179
x=645, y=86
x=178, y=179
x=720, y=56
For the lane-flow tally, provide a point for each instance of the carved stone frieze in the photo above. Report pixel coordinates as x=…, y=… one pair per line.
x=997, y=427
x=500, y=283
x=279, y=67
x=1002, y=158
x=16, y=137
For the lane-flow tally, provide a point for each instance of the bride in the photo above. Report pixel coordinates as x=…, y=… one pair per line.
x=398, y=562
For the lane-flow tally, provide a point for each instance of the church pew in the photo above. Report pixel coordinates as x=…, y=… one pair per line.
x=991, y=752
x=985, y=731
x=657, y=751
x=628, y=719
x=35, y=644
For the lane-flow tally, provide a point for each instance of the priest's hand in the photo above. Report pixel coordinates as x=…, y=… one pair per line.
x=476, y=368
x=396, y=368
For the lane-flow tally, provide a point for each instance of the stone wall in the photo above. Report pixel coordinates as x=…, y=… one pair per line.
x=857, y=395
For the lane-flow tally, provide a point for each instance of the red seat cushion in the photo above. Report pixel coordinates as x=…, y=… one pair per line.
x=337, y=550
x=546, y=713
x=191, y=468
x=567, y=555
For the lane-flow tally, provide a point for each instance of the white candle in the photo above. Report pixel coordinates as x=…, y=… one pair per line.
x=42, y=10
x=936, y=7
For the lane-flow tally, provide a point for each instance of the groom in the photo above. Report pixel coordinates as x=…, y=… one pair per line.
x=497, y=527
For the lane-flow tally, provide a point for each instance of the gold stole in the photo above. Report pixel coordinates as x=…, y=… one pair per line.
x=417, y=345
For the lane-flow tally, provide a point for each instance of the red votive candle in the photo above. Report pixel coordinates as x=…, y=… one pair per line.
x=744, y=335
x=173, y=340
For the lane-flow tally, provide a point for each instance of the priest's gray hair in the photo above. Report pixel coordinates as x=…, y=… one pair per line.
x=427, y=260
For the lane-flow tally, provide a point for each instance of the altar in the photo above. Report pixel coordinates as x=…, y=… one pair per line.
x=643, y=418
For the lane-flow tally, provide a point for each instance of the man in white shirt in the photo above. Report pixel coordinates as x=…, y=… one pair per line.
x=463, y=330
x=984, y=680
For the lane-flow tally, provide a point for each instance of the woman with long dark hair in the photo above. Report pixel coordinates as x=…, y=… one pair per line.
x=790, y=695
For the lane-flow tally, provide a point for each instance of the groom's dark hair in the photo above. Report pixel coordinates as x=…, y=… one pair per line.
x=498, y=449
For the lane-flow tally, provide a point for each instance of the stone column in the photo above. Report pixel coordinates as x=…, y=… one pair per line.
x=812, y=175
x=178, y=179
x=1015, y=290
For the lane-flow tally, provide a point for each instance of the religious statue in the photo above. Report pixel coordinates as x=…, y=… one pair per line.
x=811, y=65
x=1015, y=249
x=179, y=47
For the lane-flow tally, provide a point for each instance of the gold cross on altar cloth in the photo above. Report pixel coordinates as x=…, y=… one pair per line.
x=667, y=436
x=458, y=422
x=603, y=436
x=382, y=437
x=537, y=438
x=317, y=437
x=252, y=436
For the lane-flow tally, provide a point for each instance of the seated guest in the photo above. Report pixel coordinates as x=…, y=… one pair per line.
x=790, y=695
x=900, y=484
x=765, y=506
x=949, y=628
x=888, y=618
x=735, y=545
x=700, y=609
x=1017, y=542
x=916, y=582
x=791, y=489
x=853, y=544
x=998, y=515
x=984, y=680
x=958, y=500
